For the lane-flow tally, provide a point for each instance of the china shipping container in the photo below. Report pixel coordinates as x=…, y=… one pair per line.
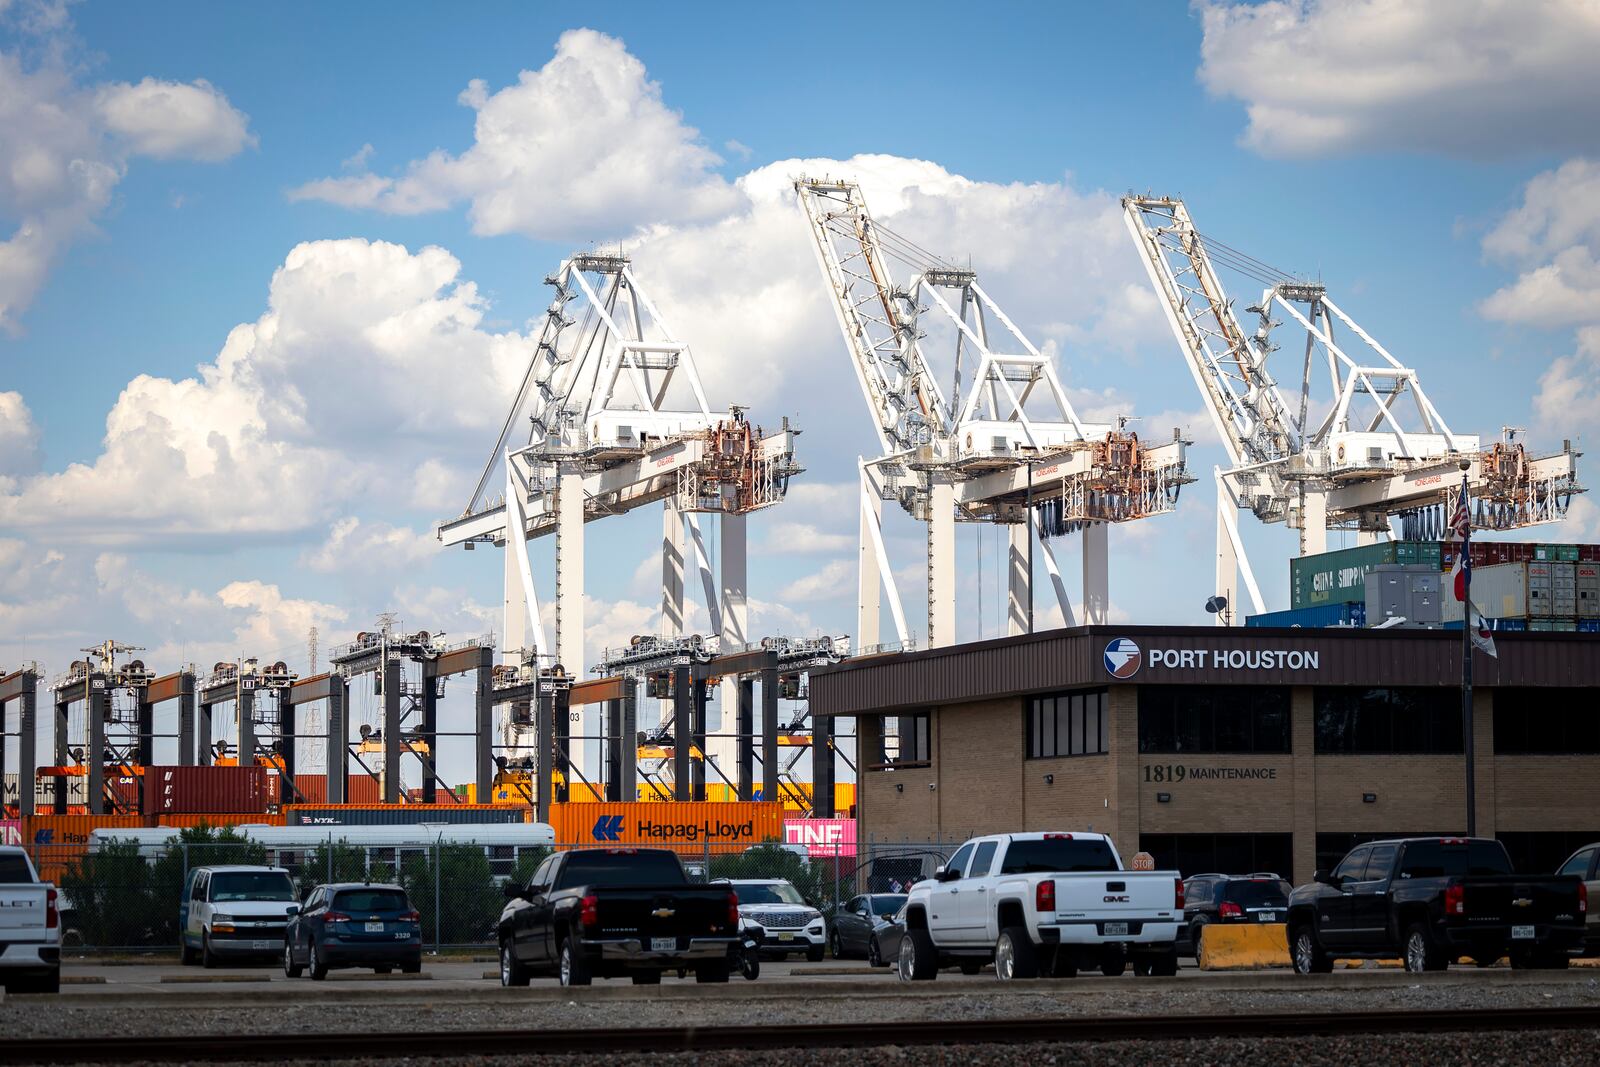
x=401, y=814
x=1588, y=589
x=1318, y=617
x=185, y=790
x=691, y=828
x=1339, y=577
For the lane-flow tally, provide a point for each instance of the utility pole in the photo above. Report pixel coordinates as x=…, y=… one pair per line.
x=1467, y=743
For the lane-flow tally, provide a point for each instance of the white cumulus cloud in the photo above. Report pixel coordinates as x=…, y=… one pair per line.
x=356, y=545
x=1460, y=77
x=19, y=437
x=168, y=120
x=1553, y=236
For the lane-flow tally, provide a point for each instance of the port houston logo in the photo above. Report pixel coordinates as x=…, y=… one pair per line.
x=1123, y=658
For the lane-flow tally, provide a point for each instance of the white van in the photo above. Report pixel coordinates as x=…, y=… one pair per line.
x=234, y=912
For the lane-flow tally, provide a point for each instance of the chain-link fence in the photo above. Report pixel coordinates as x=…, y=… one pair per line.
x=124, y=895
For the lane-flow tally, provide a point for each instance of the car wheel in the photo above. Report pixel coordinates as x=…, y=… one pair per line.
x=1306, y=954
x=834, y=946
x=816, y=954
x=314, y=964
x=1014, y=955
x=750, y=965
x=1113, y=964
x=1421, y=954
x=207, y=959
x=1196, y=933
x=874, y=954
x=512, y=972
x=919, y=959
x=712, y=971
x=291, y=969
x=574, y=970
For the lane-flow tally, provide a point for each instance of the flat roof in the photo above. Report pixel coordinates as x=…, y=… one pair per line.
x=1085, y=656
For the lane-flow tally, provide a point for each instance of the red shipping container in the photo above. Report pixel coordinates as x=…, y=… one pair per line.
x=182, y=790
x=313, y=789
x=1589, y=553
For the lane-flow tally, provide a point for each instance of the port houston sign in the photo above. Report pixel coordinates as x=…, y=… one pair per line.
x=1123, y=658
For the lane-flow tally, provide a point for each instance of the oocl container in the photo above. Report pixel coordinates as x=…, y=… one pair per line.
x=1588, y=588
x=690, y=827
x=182, y=790
x=401, y=814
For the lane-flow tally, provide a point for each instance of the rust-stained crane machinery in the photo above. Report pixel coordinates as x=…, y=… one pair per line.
x=617, y=419
x=1005, y=441
x=1370, y=450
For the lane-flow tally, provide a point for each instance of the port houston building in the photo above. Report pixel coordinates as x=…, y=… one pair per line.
x=1228, y=749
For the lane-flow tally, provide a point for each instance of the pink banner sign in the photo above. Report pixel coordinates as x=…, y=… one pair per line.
x=10, y=832
x=822, y=837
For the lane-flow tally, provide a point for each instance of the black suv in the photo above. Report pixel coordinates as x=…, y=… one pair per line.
x=1230, y=898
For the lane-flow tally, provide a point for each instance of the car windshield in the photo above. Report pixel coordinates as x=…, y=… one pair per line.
x=14, y=870
x=620, y=868
x=884, y=907
x=251, y=885
x=1438, y=859
x=768, y=893
x=1058, y=855
x=1258, y=893
x=368, y=900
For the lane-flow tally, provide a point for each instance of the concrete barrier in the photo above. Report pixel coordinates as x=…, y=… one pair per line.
x=1243, y=946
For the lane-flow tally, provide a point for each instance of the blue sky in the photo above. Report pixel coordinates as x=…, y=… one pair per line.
x=1387, y=148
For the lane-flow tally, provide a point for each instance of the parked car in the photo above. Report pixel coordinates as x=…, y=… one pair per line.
x=233, y=912
x=1230, y=898
x=353, y=924
x=616, y=912
x=1042, y=903
x=789, y=924
x=1432, y=901
x=1585, y=864
x=883, y=947
x=30, y=927
x=855, y=921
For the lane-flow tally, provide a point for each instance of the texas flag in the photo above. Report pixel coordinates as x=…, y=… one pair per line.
x=1461, y=573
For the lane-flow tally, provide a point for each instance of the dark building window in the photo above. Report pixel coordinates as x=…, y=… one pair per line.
x=1542, y=853
x=1191, y=854
x=1546, y=722
x=1331, y=848
x=1368, y=722
x=1198, y=719
x=1068, y=724
x=911, y=744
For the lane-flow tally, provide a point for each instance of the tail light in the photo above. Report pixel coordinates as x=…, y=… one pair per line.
x=733, y=909
x=1455, y=900
x=1177, y=894
x=1583, y=899
x=412, y=916
x=1229, y=910
x=589, y=911
x=52, y=914
x=335, y=917
x=1044, y=897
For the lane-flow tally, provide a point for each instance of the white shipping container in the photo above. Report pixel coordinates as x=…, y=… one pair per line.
x=45, y=794
x=1588, y=577
x=1500, y=591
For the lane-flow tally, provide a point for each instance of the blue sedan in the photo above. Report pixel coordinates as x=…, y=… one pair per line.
x=353, y=925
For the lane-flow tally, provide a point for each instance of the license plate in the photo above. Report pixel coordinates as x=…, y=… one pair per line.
x=374, y=928
x=785, y=937
x=1116, y=929
x=1267, y=916
x=1522, y=933
x=261, y=945
x=663, y=944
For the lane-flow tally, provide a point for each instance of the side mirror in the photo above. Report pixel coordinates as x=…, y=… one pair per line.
x=945, y=874
x=512, y=890
x=1322, y=877
x=292, y=909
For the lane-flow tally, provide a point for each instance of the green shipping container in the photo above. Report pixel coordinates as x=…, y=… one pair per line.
x=1555, y=553
x=1341, y=577
x=1552, y=625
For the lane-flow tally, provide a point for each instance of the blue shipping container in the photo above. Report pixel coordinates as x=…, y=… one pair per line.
x=1317, y=617
x=1589, y=626
x=404, y=815
x=1510, y=626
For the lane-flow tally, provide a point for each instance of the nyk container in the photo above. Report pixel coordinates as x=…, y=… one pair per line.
x=690, y=827
x=1340, y=577
x=401, y=814
x=180, y=790
x=1319, y=617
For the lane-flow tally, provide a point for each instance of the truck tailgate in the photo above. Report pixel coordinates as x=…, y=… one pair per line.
x=663, y=911
x=1520, y=900
x=1116, y=895
x=22, y=910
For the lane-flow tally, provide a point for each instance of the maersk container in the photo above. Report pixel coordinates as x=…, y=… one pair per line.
x=193, y=790
x=1319, y=617
x=1340, y=577
x=401, y=814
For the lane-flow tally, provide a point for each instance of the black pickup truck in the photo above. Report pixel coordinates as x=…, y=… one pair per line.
x=613, y=912
x=1432, y=901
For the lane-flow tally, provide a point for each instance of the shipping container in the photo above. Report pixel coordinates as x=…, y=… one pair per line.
x=401, y=814
x=1554, y=553
x=1589, y=626
x=1589, y=553
x=1564, y=626
x=689, y=827
x=313, y=789
x=1340, y=577
x=57, y=841
x=1403, y=591
x=1323, y=615
x=218, y=819
x=1500, y=591
x=184, y=790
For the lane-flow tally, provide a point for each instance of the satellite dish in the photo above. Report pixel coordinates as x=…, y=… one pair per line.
x=1216, y=604
x=366, y=731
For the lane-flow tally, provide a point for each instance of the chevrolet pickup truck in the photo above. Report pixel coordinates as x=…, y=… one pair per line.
x=616, y=912
x=30, y=927
x=1045, y=903
x=1432, y=901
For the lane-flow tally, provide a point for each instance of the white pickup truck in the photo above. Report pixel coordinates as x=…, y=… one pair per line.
x=30, y=927
x=1046, y=903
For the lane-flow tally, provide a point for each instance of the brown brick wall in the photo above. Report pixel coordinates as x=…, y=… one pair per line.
x=1544, y=793
x=888, y=814
x=980, y=749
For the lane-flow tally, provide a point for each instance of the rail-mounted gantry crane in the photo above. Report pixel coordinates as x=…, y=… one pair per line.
x=1004, y=441
x=617, y=419
x=1370, y=450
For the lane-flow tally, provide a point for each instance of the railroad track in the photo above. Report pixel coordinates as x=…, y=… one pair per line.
x=326, y=1046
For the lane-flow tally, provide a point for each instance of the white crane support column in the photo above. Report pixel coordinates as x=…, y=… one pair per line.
x=1068, y=618
x=1227, y=577
x=733, y=565
x=1096, y=574
x=941, y=563
x=514, y=605
x=673, y=547
x=1313, y=520
x=868, y=599
x=569, y=601
x=1018, y=578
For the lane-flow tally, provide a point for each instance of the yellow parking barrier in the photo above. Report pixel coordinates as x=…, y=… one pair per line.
x=1243, y=947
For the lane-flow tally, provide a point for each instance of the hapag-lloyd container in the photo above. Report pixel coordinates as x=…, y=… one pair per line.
x=689, y=827
x=401, y=814
x=183, y=790
x=1340, y=577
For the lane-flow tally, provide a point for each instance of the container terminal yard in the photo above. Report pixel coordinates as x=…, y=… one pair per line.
x=1351, y=818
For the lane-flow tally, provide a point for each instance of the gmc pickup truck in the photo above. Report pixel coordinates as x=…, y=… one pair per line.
x=1432, y=901
x=30, y=927
x=1037, y=904
x=616, y=912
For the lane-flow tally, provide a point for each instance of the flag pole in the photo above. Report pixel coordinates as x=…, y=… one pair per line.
x=1466, y=669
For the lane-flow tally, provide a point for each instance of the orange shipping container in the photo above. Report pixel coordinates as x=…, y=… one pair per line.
x=220, y=819
x=56, y=841
x=688, y=827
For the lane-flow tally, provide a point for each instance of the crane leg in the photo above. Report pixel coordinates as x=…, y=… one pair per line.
x=1313, y=522
x=731, y=547
x=1096, y=574
x=673, y=546
x=941, y=564
x=569, y=596
x=1019, y=579
x=868, y=601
